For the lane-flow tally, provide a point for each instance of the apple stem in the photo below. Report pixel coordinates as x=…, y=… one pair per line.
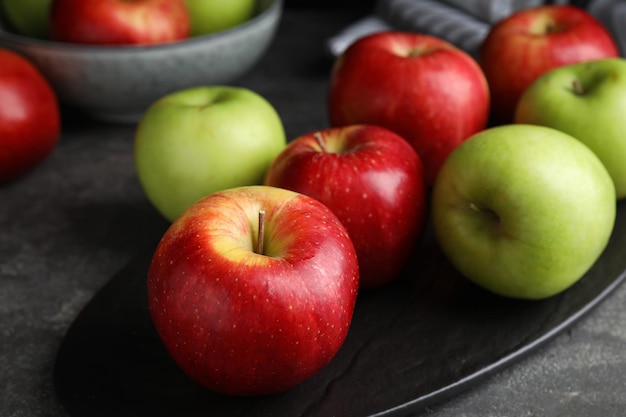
x=578, y=88
x=485, y=211
x=318, y=137
x=261, y=235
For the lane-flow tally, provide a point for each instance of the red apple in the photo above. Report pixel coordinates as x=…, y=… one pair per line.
x=119, y=22
x=29, y=116
x=520, y=48
x=244, y=318
x=372, y=179
x=428, y=91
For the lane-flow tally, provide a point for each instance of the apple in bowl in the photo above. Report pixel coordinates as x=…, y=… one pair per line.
x=27, y=17
x=212, y=16
x=119, y=22
x=252, y=289
x=522, y=210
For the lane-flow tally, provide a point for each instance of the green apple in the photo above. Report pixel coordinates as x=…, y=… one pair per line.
x=28, y=17
x=523, y=211
x=196, y=141
x=587, y=101
x=210, y=16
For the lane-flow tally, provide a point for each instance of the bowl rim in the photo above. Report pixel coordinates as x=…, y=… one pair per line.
x=273, y=9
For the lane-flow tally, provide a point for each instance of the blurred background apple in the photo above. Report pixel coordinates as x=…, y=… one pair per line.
x=27, y=17
x=210, y=16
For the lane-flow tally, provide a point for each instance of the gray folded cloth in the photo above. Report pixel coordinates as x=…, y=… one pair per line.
x=435, y=18
x=491, y=11
x=464, y=23
x=370, y=24
x=613, y=14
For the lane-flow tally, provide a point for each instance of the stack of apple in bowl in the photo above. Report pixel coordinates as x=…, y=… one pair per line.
x=101, y=59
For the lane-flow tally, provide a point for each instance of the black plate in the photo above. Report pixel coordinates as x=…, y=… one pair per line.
x=421, y=339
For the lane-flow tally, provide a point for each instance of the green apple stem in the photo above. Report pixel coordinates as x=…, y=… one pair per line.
x=484, y=211
x=261, y=233
x=578, y=88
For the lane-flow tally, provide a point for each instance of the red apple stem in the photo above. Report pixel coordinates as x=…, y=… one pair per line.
x=261, y=232
x=318, y=137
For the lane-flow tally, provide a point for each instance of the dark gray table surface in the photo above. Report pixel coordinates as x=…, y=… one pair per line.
x=71, y=224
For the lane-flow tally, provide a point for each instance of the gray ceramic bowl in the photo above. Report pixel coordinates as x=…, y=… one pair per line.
x=119, y=83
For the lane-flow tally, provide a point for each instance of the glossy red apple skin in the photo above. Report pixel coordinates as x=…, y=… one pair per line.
x=30, y=120
x=241, y=323
x=426, y=90
x=520, y=48
x=373, y=180
x=119, y=22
